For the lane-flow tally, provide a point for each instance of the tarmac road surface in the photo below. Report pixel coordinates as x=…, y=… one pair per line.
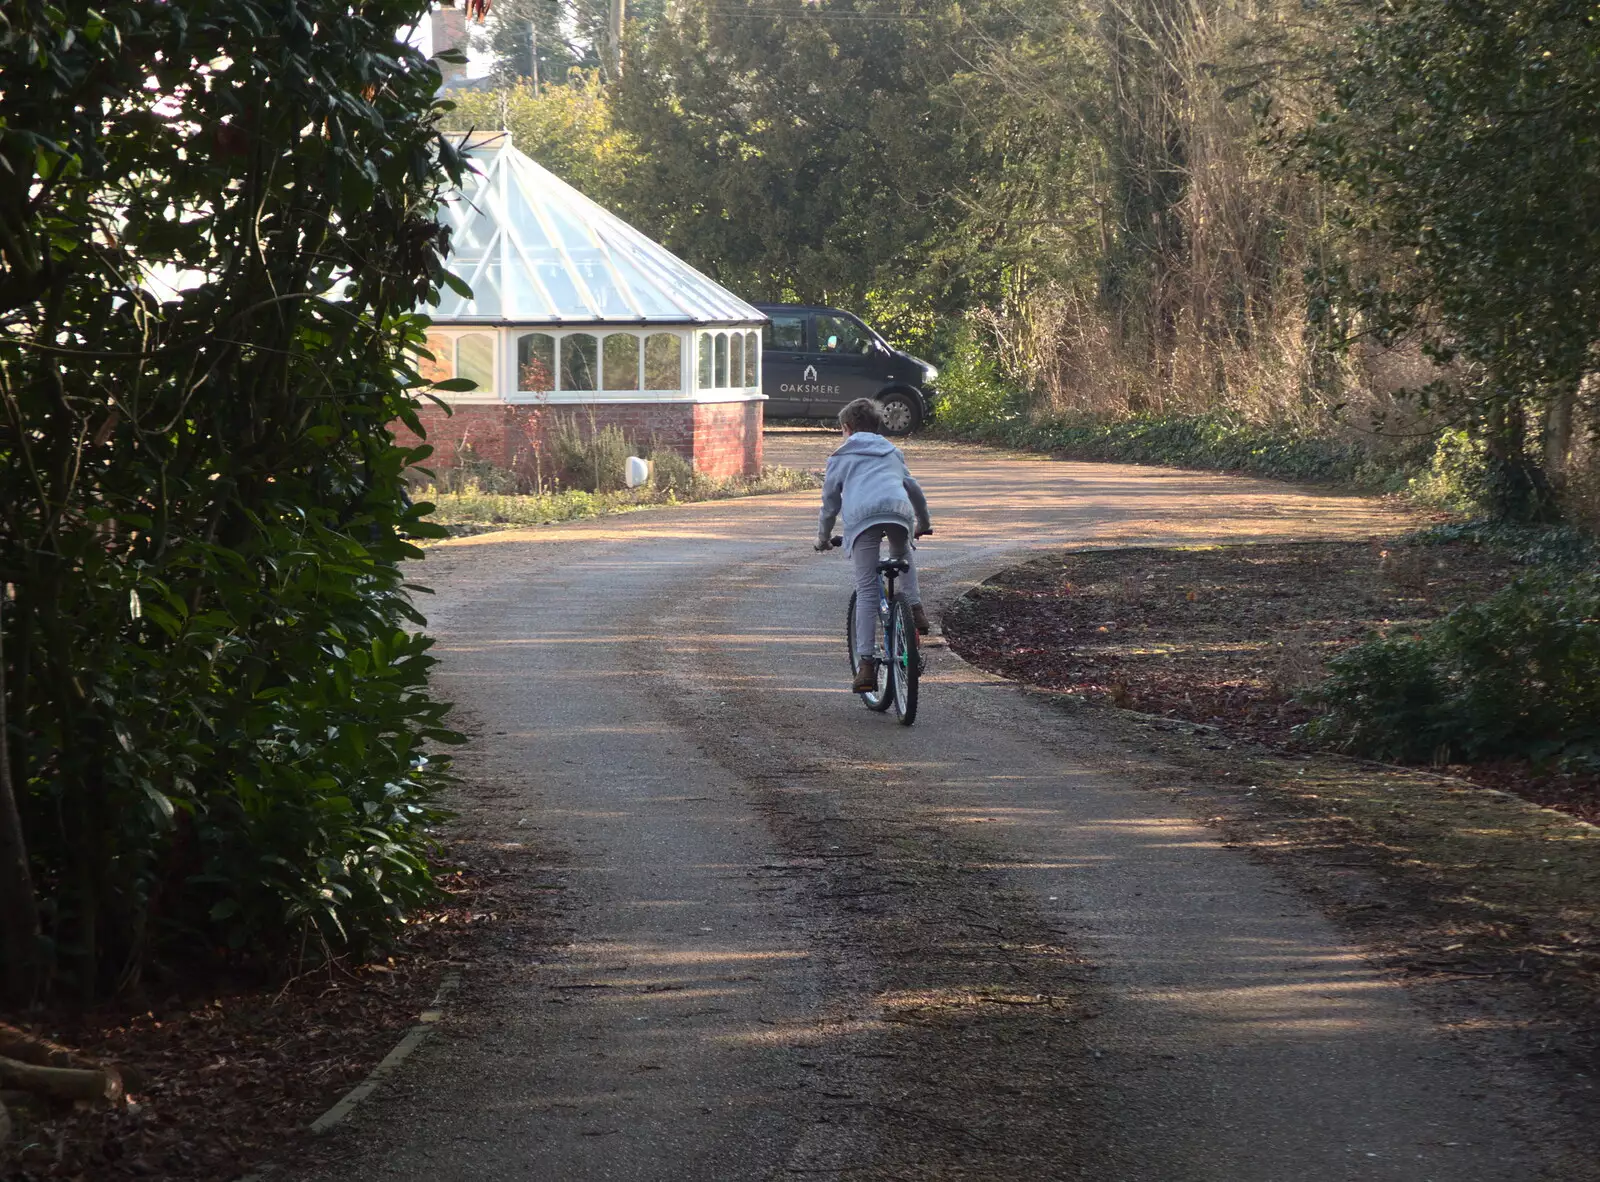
x=787, y=938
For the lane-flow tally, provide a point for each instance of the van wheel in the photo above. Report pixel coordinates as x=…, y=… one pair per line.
x=901, y=413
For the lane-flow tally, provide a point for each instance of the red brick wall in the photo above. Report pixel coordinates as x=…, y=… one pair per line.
x=723, y=439
x=727, y=438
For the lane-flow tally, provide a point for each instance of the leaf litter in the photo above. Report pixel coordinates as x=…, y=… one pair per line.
x=1230, y=636
x=224, y=1073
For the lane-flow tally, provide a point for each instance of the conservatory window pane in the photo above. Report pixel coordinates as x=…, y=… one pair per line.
x=579, y=358
x=663, y=362
x=649, y=301
x=722, y=360
x=736, y=359
x=442, y=367
x=536, y=363
x=520, y=293
x=621, y=368
x=475, y=360
x=523, y=222
x=608, y=297
x=486, y=299
x=553, y=274
x=752, y=350
x=473, y=235
x=705, y=360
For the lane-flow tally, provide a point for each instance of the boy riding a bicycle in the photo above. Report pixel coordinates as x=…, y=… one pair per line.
x=868, y=484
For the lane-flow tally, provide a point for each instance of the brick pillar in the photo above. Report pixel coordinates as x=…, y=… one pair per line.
x=450, y=32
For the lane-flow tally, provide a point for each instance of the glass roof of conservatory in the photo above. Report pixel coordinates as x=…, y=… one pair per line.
x=535, y=250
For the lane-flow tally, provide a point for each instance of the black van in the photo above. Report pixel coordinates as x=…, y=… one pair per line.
x=814, y=360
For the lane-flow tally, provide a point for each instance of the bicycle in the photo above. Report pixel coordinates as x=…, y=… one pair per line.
x=897, y=650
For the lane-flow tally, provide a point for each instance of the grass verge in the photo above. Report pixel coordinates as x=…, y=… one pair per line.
x=471, y=509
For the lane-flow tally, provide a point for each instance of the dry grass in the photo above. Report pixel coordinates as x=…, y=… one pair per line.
x=471, y=508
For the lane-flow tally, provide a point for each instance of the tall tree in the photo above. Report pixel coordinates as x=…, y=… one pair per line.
x=852, y=150
x=1148, y=42
x=543, y=39
x=564, y=35
x=568, y=129
x=1465, y=137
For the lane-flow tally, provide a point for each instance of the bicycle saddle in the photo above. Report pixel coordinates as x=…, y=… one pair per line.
x=897, y=566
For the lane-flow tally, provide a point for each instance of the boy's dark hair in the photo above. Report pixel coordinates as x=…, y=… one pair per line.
x=862, y=415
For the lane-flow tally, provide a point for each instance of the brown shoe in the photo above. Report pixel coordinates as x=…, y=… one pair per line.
x=866, y=677
x=920, y=619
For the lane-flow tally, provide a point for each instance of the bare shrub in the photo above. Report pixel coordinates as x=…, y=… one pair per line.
x=671, y=472
x=1211, y=311
x=1297, y=664
x=470, y=472
x=588, y=456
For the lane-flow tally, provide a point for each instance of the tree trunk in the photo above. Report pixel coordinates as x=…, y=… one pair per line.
x=63, y=1083
x=18, y=904
x=614, y=38
x=1518, y=490
x=18, y=1044
x=1558, y=437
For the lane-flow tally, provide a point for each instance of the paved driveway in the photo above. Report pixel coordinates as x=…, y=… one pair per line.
x=796, y=940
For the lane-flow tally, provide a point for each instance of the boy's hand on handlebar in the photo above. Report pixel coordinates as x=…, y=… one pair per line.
x=922, y=533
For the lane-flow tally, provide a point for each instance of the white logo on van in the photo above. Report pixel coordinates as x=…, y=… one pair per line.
x=810, y=375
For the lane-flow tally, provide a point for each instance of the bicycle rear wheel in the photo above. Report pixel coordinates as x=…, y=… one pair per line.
x=879, y=699
x=905, y=659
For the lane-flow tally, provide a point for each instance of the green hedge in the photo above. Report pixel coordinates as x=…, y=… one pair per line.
x=1516, y=676
x=1217, y=441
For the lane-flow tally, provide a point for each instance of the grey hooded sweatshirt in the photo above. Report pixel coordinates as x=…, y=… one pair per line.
x=868, y=482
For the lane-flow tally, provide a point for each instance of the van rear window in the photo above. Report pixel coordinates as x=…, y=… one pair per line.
x=785, y=332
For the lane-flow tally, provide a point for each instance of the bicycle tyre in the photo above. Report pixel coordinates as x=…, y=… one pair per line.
x=880, y=699
x=905, y=659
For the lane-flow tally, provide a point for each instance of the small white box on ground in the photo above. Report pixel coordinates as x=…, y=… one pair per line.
x=636, y=472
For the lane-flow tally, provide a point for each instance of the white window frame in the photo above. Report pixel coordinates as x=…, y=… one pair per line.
x=453, y=333
x=688, y=389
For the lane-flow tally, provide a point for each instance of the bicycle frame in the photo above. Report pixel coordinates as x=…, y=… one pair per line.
x=896, y=654
x=885, y=616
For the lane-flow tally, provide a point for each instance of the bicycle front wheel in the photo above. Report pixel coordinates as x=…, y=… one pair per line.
x=905, y=659
x=881, y=696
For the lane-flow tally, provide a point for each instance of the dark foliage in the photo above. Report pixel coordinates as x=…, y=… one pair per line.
x=1516, y=676
x=1562, y=546
x=215, y=221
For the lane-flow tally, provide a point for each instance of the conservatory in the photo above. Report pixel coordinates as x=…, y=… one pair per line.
x=576, y=316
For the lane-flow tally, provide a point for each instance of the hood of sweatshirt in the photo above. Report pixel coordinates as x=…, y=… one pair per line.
x=864, y=443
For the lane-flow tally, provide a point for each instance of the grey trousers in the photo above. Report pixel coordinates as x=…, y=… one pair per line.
x=864, y=555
